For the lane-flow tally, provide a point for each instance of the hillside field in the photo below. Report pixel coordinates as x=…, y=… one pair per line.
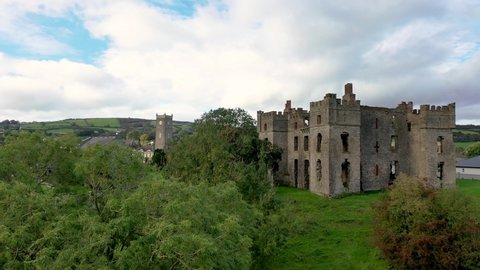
x=335, y=233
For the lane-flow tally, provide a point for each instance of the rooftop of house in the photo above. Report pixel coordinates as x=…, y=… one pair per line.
x=469, y=163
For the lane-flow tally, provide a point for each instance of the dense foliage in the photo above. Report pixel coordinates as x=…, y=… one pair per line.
x=225, y=147
x=419, y=228
x=103, y=208
x=472, y=150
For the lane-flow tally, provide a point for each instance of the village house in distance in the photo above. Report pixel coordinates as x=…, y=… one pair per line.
x=340, y=146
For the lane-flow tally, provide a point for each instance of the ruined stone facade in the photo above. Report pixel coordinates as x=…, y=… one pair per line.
x=163, y=131
x=340, y=146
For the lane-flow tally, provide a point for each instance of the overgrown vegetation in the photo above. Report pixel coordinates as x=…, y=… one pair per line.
x=103, y=208
x=472, y=150
x=417, y=227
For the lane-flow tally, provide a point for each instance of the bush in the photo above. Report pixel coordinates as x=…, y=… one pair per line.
x=416, y=227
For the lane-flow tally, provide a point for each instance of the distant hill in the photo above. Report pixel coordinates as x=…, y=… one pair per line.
x=464, y=135
x=88, y=127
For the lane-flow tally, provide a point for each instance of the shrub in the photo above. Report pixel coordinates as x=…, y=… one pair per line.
x=416, y=227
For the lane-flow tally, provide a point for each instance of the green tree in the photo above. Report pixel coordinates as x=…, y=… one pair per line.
x=144, y=139
x=472, y=150
x=39, y=158
x=109, y=171
x=159, y=158
x=419, y=228
x=225, y=147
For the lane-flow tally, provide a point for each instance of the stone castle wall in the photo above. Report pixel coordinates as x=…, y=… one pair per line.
x=340, y=146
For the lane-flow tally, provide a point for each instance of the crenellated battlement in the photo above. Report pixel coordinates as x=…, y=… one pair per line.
x=271, y=114
x=325, y=147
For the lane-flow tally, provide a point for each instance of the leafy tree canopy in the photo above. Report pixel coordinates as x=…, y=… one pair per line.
x=472, y=150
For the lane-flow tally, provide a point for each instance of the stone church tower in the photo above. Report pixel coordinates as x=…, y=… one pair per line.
x=163, y=131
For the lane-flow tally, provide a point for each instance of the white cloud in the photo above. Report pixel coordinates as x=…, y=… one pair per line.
x=250, y=54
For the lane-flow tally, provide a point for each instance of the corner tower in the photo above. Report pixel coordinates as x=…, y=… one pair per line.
x=163, y=131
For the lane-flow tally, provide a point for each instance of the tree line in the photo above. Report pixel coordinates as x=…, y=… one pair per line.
x=209, y=207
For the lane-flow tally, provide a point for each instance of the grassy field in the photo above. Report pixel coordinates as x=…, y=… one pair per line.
x=335, y=233
x=463, y=144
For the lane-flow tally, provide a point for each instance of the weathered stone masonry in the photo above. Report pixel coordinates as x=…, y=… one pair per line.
x=340, y=146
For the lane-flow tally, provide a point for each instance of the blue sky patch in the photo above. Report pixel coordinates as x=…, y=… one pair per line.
x=184, y=8
x=69, y=31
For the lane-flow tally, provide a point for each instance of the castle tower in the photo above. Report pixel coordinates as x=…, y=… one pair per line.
x=163, y=131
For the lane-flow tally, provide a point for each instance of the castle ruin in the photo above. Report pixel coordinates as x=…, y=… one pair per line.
x=340, y=146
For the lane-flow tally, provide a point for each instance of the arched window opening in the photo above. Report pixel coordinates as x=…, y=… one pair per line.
x=440, y=144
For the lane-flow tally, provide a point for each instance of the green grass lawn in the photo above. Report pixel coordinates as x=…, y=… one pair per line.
x=335, y=233
x=463, y=144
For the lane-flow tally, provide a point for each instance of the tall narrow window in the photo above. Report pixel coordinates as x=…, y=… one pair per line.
x=306, y=142
x=393, y=170
x=376, y=146
x=376, y=123
x=440, y=144
x=264, y=127
x=319, y=142
x=377, y=170
x=319, y=169
x=295, y=172
x=295, y=143
x=440, y=170
x=319, y=119
x=295, y=125
x=344, y=137
x=306, y=174
x=345, y=173
x=409, y=126
x=393, y=143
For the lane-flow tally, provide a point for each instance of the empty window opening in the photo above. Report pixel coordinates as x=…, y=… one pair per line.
x=319, y=119
x=306, y=174
x=393, y=170
x=377, y=170
x=440, y=170
x=344, y=137
x=376, y=123
x=319, y=169
x=319, y=142
x=264, y=127
x=305, y=143
x=266, y=139
x=376, y=146
x=345, y=173
x=409, y=126
x=295, y=125
x=440, y=144
x=295, y=172
x=393, y=120
x=393, y=143
x=295, y=143
x=306, y=122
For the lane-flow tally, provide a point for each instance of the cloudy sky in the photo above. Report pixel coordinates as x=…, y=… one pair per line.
x=132, y=58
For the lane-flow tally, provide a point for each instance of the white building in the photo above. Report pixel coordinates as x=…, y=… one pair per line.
x=469, y=168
